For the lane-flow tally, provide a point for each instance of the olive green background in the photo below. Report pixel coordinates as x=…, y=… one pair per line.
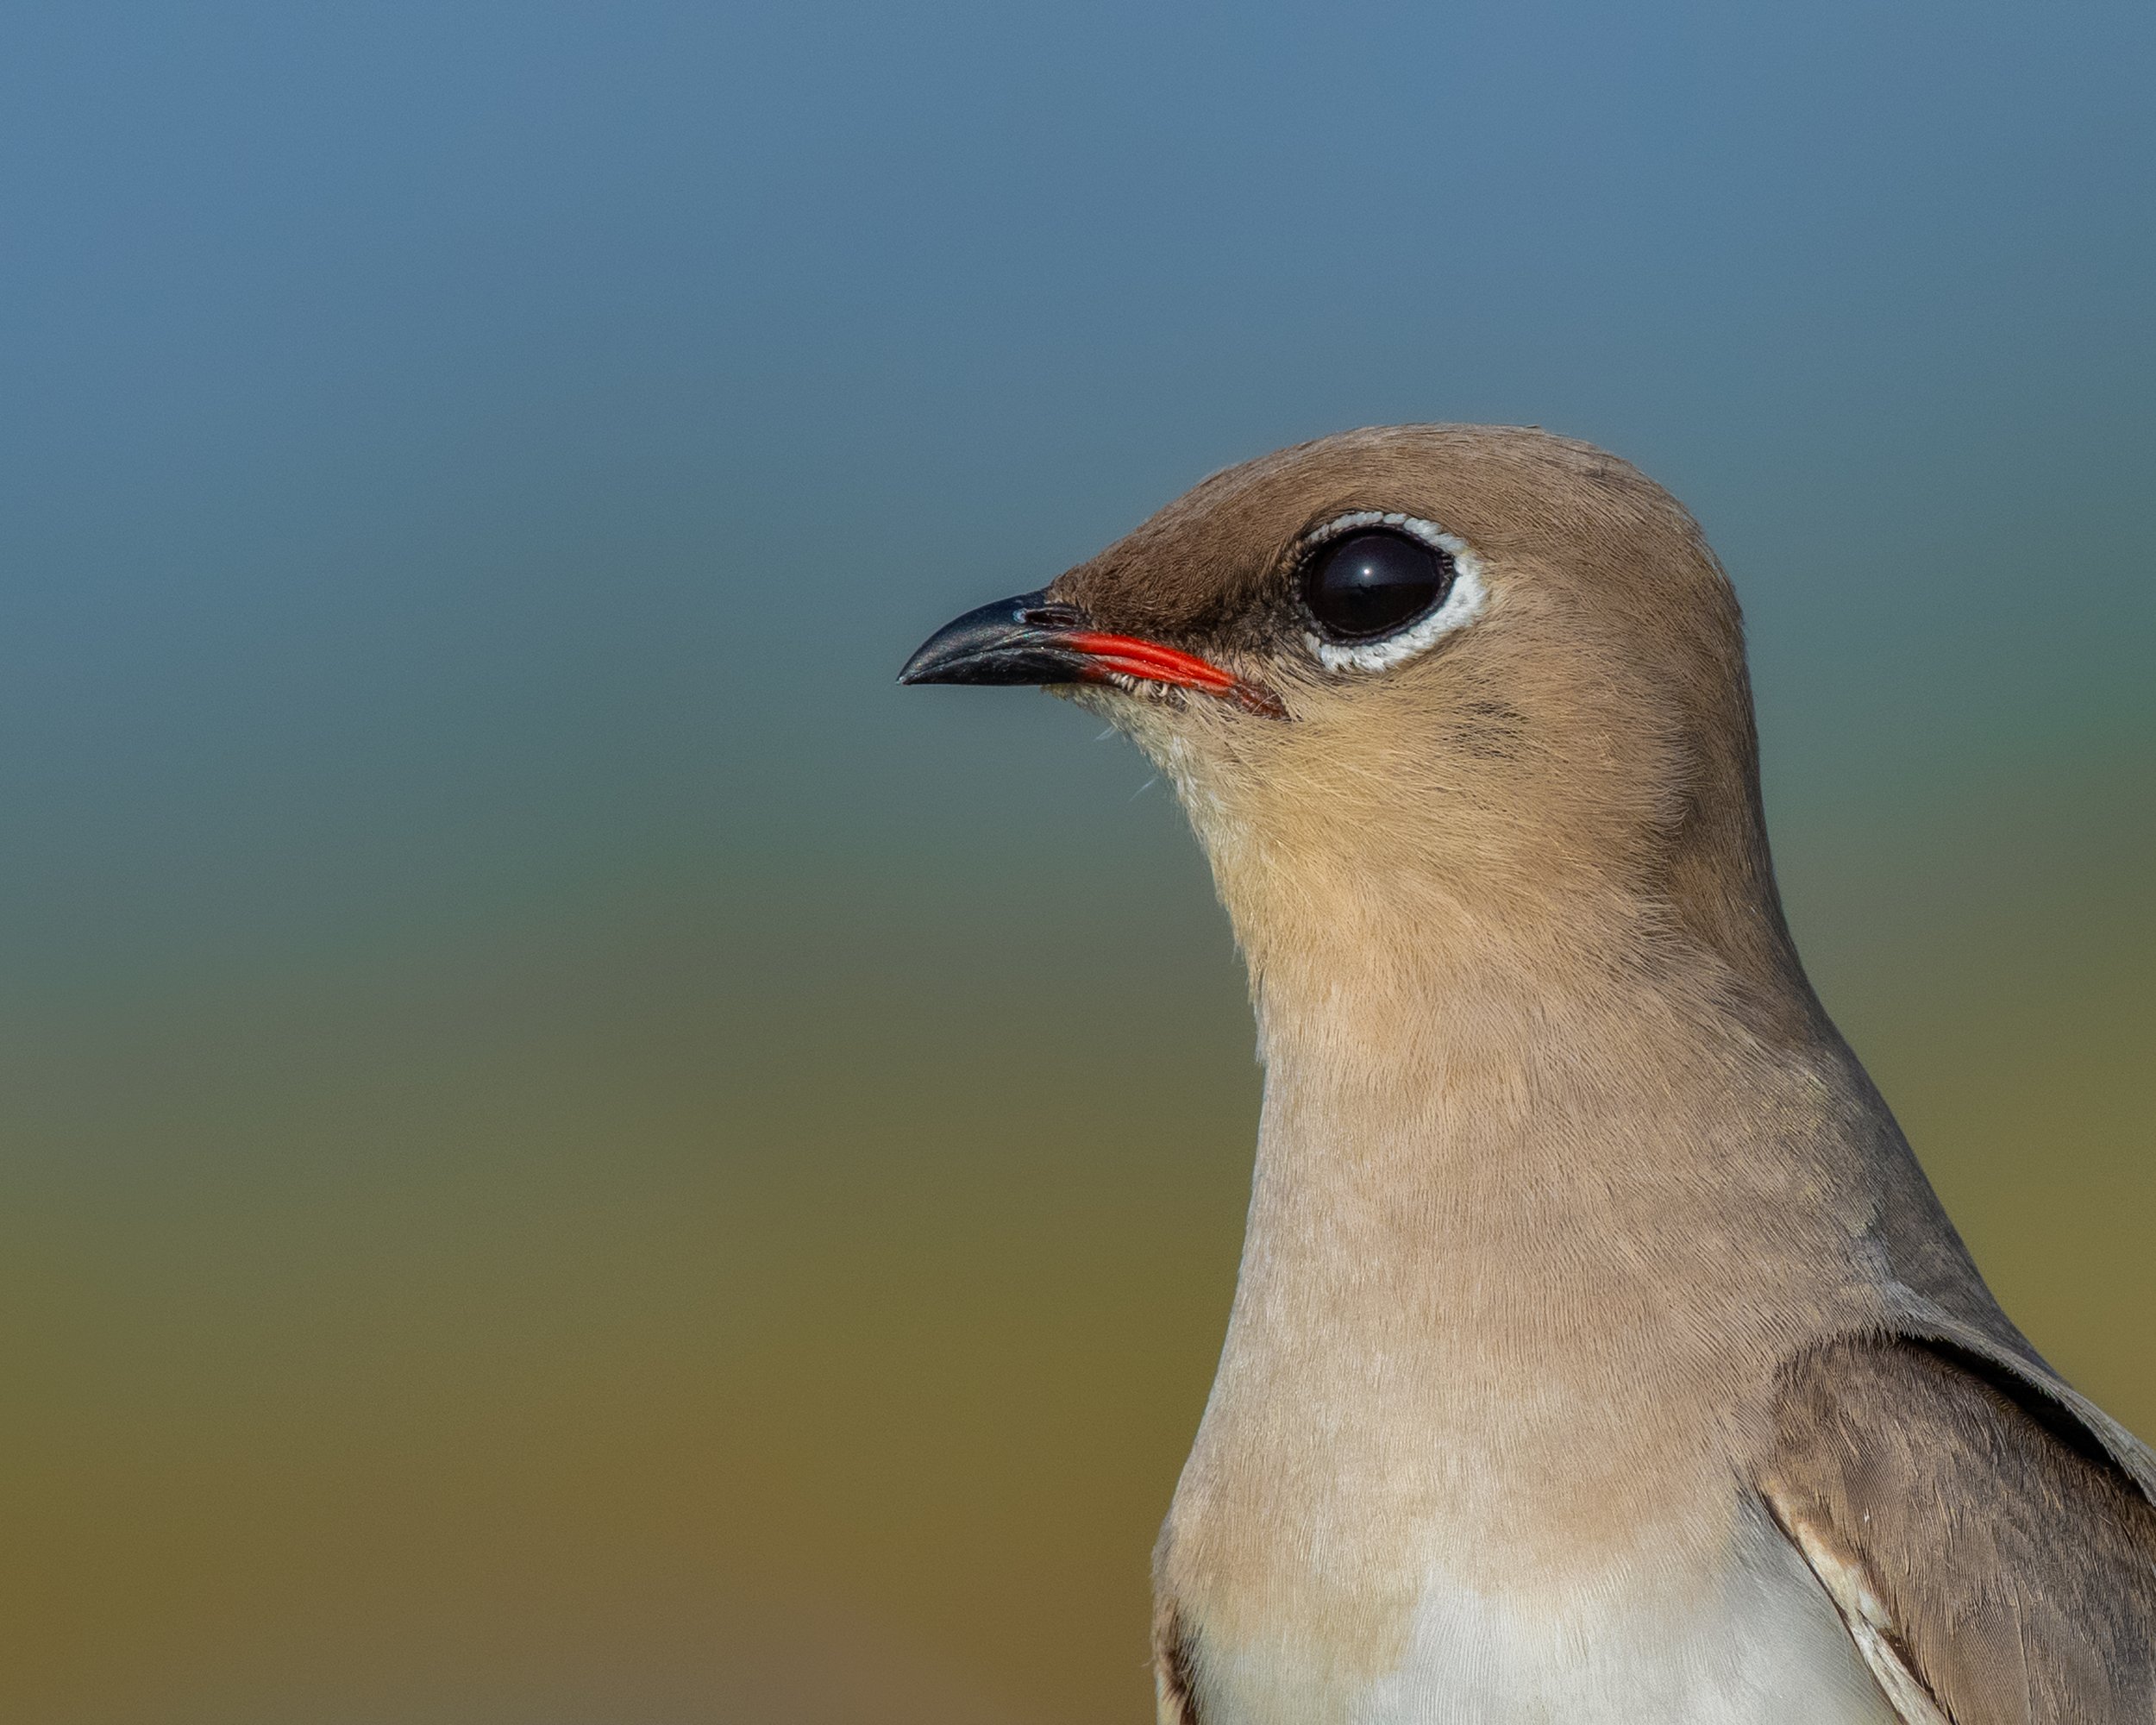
x=569, y=1155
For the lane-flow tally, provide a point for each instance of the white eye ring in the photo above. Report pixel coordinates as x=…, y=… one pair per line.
x=1462, y=603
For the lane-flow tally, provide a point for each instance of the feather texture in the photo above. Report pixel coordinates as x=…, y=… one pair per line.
x=1600, y=1351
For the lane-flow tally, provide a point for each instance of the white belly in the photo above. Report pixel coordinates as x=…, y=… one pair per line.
x=1761, y=1646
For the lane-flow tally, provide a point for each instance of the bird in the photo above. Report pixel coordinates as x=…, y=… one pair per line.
x=1599, y=1349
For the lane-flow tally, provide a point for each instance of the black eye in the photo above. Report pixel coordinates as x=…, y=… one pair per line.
x=1369, y=584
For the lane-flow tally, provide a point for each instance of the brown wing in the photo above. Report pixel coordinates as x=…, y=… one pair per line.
x=1175, y=1703
x=1991, y=1562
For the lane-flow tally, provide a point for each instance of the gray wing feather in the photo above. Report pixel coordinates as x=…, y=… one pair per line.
x=1993, y=1559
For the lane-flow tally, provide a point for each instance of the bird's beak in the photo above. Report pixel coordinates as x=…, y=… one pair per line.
x=1034, y=640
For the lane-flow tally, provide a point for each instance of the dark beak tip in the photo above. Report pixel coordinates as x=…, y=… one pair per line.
x=993, y=643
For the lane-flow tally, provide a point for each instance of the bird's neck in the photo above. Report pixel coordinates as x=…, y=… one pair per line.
x=1496, y=1195
x=1530, y=1120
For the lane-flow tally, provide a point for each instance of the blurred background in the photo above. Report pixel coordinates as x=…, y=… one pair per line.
x=573, y=1156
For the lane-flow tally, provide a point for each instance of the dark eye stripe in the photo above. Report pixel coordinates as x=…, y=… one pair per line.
x=1369, y=584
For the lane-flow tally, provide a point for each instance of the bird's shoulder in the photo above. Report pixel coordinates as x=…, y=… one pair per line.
x=1992, y=1551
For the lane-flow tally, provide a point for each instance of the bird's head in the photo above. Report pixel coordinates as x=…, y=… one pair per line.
x=1424, y=684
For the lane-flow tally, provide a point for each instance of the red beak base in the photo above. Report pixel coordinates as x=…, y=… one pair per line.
x=1031, y=639
x=1129, y=655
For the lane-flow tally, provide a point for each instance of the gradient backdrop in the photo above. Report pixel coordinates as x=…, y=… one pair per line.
x=575, y=1156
